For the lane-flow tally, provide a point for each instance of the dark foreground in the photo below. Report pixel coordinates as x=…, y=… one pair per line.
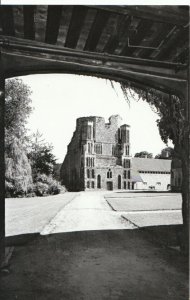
x=109, y=264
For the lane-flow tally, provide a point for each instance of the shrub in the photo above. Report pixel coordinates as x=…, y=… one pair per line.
x=47, y=185
x=41, y=189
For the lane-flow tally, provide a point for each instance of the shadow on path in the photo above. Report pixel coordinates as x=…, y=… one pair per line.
x=109, y=264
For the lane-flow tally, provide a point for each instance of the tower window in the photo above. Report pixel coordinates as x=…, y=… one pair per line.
x=98, y=148
x=129, y=174
x=109, y=174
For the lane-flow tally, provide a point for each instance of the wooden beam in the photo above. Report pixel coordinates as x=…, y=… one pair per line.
x=135, y=40
x=37, y=47
x=76, y=23
x=183, y=56
x=161, y=32
x=123, y=24
x=32, y=64
x=169, y=14
x=29, y=26
x=53, y=23
x=7, y=20
x=171, y=42
x=96, y=30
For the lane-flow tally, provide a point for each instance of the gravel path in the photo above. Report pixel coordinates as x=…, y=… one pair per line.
x=88, y=211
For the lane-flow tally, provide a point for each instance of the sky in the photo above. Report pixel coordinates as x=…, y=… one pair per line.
x=59, y=99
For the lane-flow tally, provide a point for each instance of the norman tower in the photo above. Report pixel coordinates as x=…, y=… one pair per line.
x=98, y=156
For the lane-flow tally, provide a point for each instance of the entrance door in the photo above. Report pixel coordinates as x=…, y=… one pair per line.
x=109, y=185
x=99, y=182
x=119, y=182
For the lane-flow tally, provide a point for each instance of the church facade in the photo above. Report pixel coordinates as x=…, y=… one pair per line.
x=98, y=156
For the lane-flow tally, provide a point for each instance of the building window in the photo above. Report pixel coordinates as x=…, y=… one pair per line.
x=113, y=150
x=91, y=162
x=125, y=185
x=90, y=148
x=125, y=174
x=129, y=174
x=89, y=132
x=145, y=183
x=88, y=184
x=109, y=174
x=92, y=184
x=88, y=173
x=127, y=150
x=93, y=176
x=98, y=148
x=126, y=163
x=158, y=183
x=99, y=182
x=119, y=182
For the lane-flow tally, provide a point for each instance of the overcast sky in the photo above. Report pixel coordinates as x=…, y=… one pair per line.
x=59, y=99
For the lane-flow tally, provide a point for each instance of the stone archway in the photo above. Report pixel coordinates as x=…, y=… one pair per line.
x=31, y=50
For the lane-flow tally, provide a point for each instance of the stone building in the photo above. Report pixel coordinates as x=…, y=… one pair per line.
x=98, y=156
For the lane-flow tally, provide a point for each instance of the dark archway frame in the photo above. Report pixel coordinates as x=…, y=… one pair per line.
x=24, y=56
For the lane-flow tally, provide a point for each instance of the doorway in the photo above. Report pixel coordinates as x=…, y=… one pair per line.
x=109, y=185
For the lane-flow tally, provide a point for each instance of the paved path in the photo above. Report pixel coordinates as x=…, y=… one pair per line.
x=88, y=211
x=91, y=211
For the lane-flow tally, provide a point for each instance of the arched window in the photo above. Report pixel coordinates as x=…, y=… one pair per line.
x=99, y=182
x=119, y=182
x=92, y=184
x=109, y=174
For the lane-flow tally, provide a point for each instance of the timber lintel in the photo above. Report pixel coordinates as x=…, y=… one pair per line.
x=23, y=63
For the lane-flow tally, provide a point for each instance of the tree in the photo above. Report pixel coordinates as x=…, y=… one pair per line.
x=166, y=153
x=18, y=174
x=173, y=125
x=144, y=154
x=17, y=108
x=41, y=156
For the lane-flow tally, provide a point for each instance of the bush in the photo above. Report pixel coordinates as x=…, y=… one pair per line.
x=45, y=185
x=41, y=189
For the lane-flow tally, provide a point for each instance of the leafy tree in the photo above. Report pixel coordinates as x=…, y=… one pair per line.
x=17, y=108
x=41, y=156
x=18, y=175
x=173, y=125
x=166, y=153
x=144, y=154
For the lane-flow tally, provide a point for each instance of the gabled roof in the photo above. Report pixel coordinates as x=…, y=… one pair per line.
x=151, y=164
